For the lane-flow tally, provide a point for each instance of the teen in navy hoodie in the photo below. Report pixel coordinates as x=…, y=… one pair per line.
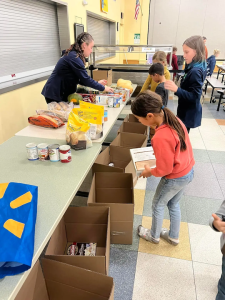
x=211, y=62
x=189, y=93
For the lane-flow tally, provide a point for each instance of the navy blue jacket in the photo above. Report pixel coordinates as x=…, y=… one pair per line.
x=189, y=108
x=69, y=71
x=211, y=62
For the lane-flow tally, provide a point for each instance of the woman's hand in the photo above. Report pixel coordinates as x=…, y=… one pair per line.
x=147, y=172
x=171, y=86
x=108, y=89
x=218, y=223
x=102, y=82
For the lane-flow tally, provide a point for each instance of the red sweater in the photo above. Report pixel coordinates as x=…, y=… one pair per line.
x=170, y=161
x=174, y=61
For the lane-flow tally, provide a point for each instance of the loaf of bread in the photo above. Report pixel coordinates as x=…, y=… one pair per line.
x=46, y=121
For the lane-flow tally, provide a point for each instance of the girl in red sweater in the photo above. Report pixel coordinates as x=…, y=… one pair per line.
x=174, y=163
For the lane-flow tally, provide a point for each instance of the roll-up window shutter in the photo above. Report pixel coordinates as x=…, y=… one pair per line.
x=100, y=31
x=29, y=37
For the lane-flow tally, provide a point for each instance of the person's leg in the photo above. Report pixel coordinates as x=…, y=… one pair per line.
x=221, y=283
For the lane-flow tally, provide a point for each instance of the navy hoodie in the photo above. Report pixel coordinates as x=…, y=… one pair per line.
x=69, y=71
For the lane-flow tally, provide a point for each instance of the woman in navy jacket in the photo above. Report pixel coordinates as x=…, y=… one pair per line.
x=70, y=71
x=189, y=93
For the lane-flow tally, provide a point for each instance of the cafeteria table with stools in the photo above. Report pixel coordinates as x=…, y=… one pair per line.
x=221, y=71
x=214, y=83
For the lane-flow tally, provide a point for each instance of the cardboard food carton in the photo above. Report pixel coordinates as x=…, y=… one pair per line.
x=131, y=118
x=130, y=140
x=116, y=191
x=133, y=127
x=142, y=157
x=60, y=281
x=83, y=225
x=120, y=158
x=103, y=74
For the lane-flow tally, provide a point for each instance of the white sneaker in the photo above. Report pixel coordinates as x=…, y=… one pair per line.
x=145, y=234
x=165, y=235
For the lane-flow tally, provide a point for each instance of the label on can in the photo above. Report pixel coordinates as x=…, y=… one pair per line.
x=53, y=151
x=65, y=153
x=32, y=151
x=110, y=101
x=43, y=152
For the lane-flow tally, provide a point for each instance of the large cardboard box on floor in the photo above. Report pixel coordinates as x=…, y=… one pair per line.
x=120, y=157
x=83, y=225
x=130, y=140
x=103, y=74
x=116, y=191
x=60, y=281
x=131, y=118
x=133, y=127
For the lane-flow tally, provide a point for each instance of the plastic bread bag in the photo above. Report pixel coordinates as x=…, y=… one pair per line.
x=66, y=106
x=63, y=115
x=77, y=132
x=46, y=121
x=54, y=106
x=94, y=117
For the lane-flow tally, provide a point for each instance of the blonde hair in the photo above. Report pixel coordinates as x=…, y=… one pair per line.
x=196, y=42
x=216, y=51
x=160, y=56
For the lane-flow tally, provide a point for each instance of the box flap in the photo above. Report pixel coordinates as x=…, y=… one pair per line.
x=34, y=287
x=113, y=180
x=119, y=154
x=130, y=140
x=130, y=168
x=132, y=118
x=86, y=215
x=114, y=195
x=91, y=196
x=133, y=128
x=103, y=158
x=108, y=241
x=75, y=277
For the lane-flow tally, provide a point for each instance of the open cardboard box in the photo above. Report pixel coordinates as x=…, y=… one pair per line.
x=131, y=118
x=116, y=191
x=83, y=225
x=142, y=157
x=130, y=140
x=60, y=281
x=103, y=74
x=121, y=159
x=133, y=127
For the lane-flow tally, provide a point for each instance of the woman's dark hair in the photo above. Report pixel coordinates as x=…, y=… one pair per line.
x=150, y=102
x=84, y=37
x=156, y=68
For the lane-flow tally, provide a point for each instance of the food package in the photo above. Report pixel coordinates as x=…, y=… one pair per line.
x=81, y=89
x=61, y=106
x=63, y=115
x=77, y=132
x=112, y=100
x=94, y=116
x=91, y=98
x=82, y=249
x=93, y=106
x=126, y=84
x=46, y=121
x=75, y=98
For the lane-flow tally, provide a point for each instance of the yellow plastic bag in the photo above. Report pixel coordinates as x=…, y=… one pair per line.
x=77, y=132
x=100, y=108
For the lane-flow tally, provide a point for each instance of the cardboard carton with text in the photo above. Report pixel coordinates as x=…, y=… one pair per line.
x=142, y=157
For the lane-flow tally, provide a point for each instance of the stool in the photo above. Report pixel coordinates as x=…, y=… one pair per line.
x=221, y=92
x=223, y=74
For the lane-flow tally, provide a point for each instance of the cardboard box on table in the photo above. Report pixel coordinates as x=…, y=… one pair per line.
x=83, y=225
x=103, y=74
x=133, y=127
x=116, y=191
x=130, y=140
x=120, y=157
x=60, y=281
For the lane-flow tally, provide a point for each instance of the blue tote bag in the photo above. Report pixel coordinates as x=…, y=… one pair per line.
x=18, y=211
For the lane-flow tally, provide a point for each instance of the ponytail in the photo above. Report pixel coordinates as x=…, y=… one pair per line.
x=84, y=37
x=150, y=102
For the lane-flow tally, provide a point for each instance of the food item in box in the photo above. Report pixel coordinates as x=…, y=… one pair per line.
x=77, y=132
x=126, y=84
x=46, y=121
x=75, y=98
x=63, y=115
x=81, y=249
x=91, y=98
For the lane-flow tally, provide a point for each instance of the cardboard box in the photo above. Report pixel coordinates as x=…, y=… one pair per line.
x=131, y=118
x=103, y=74
x=116, y=191
x=120, y=157
x=60, y=281
x=83, y=225
x=130, y=140
x=133, y=127
x=142, y=157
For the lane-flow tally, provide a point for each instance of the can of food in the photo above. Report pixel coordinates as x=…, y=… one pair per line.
x=53, y=151
x=65, y=153
x=110, y=101
x=43, y=151
x=32, y=151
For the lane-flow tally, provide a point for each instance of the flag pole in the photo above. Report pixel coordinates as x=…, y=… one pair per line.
x=141, y=8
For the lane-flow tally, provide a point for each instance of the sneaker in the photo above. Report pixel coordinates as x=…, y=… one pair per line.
x=145, y=234
x=165, y=235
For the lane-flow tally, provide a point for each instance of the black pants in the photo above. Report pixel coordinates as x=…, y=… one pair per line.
x=50, y=100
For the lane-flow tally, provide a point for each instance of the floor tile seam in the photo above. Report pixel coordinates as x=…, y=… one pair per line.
x=165, y=256
x=204, y=263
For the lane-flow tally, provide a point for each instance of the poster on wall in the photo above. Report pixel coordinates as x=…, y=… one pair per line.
x=137, y=38
x=104, y=5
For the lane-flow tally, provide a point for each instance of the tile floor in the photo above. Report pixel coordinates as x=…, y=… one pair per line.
x=192, y=269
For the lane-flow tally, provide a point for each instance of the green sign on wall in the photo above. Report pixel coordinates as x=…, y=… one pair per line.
x=137, y=38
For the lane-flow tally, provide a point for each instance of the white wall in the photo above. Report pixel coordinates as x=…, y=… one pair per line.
x=173, y=21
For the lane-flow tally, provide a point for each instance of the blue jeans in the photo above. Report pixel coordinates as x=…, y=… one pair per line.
x=169, y=192
x=221, y=283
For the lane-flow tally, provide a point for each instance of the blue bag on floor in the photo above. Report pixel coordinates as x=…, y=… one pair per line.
x=18, y=211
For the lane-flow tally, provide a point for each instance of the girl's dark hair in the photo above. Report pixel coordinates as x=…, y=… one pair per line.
x=196, y=42
x=150, y=102
x=84, y=37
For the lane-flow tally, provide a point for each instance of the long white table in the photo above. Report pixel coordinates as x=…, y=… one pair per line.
x=60, y=133
x=57, y=185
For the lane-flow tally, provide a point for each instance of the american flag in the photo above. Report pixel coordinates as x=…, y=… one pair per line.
x=137, y=8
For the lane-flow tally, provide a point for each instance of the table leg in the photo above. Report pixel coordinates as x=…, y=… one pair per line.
x=212, y=94
x=218, y=73
x=206, y=85
x=220, y=99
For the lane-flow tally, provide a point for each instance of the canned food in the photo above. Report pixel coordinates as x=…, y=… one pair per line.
x=43, y=151
x=53, y=151
x=65, y=153
x=110, y=101
x=32, y=151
